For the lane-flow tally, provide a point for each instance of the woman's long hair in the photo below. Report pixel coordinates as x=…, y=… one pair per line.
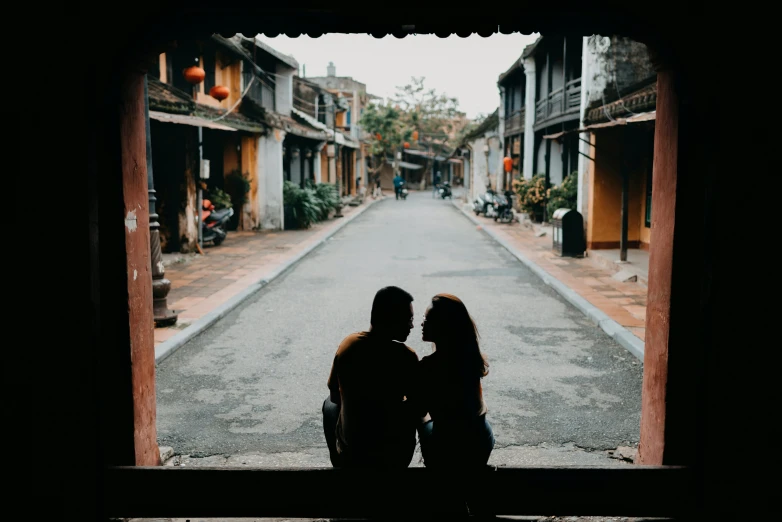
x=459, y=333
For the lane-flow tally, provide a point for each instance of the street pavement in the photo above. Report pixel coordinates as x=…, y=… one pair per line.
x=249, y=390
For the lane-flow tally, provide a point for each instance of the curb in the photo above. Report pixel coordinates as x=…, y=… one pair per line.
x=169, y=346
x=617, y=332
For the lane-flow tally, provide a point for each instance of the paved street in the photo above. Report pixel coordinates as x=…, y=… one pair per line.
x=249, y=390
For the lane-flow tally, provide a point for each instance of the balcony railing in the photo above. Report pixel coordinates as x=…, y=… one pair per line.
x=515, y=122
x=565, y=100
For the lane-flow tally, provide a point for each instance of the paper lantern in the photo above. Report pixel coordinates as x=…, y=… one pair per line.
x=194, y=74
x=219, y=92
x=508, y=163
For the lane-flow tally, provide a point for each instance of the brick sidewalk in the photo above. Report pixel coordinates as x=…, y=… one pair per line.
x=200, y=284
x=625, y=303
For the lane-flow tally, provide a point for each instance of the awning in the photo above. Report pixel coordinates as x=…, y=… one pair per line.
x=454, y=160
x=637, y=118
x=411, y=166
x=186, y=119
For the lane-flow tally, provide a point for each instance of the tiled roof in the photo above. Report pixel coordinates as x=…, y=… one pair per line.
x=642, y=100
x=166, y=98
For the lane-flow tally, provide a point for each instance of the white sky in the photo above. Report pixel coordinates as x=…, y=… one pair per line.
x=462, y=68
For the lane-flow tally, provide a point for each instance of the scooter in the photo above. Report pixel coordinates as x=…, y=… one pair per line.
x=503, y=207
x=483, y=204
x=445, y=191
x=213, y=222
x=403, y=190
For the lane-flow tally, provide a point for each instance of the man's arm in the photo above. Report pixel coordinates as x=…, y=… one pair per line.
x=334, y=383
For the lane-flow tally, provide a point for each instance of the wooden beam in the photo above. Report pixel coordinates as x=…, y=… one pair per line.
x=138, y=265
x=632, y=491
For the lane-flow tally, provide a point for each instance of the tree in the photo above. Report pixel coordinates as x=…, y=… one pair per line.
x=384, y=123
x=433, y=115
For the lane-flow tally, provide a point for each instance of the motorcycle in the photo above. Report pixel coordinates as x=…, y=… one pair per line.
x=403, y=190
x=503, y=207
x=213, y=222
x=484, y=203
x=445, y=191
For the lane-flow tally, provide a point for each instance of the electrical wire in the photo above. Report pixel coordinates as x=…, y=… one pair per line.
x=246, y=90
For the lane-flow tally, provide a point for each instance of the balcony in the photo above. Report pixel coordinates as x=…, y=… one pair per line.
x=562, y=103
x=514, y=124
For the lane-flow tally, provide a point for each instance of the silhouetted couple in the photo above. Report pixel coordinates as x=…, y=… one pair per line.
x=381, y=394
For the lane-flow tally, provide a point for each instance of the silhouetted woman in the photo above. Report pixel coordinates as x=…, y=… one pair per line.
x=458, y=433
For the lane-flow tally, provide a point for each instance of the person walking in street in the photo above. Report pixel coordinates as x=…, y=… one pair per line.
x=398, y=183
x=456, y=432
x=436, y=184
x=372, y=411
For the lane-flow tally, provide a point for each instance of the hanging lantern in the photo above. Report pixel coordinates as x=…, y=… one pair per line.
x=415, y=135
x=194, y=74
x=378, y=136
x=508, y=163
x=407, y=145
x=219, y=92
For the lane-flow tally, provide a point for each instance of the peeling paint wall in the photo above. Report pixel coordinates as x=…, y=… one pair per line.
x=270, y=176
x=251, y=211
x=611, y=65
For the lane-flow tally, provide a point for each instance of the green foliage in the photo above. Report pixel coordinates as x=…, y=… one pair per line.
x=237, y=185
x=303, y=203
x=219, y=198
x=532, y=194
x=564, y=195
x=327, y=197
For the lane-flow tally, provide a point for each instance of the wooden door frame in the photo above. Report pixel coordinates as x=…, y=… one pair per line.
x=672, y=380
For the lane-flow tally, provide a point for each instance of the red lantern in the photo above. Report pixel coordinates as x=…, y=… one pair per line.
x=407, y=145
x=219, y=92
x=508, y=163
x=415, y=135
x=194, y=74
x=378, y=136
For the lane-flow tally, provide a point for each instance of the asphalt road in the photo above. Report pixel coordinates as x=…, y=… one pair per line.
x=249, y=390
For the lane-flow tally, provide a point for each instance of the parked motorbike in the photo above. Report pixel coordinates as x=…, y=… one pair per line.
x=213, y=222
x=503, y=207
x=445, y=191
x=483, y=204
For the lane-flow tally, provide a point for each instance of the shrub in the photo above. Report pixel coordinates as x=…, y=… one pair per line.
x=564, y=195
x=532, y=194
x=219, y=198
x=328, y=198
x=304, y=204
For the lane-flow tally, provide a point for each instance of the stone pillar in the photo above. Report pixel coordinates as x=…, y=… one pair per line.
x=529, y=118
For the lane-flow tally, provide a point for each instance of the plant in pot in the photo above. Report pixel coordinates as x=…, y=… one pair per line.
x=300, y=205
x=563, y=195
x=237, y=186
x=532, y=195
x=327, y=198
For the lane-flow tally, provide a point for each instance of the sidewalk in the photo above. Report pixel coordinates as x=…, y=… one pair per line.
x=205, y=288
x=619, y=308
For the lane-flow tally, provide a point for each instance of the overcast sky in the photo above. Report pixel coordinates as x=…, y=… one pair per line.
x=463, y=68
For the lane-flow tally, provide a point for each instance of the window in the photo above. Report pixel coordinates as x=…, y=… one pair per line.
x=209, y=68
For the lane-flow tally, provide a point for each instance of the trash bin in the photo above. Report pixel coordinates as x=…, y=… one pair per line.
x=568, y=233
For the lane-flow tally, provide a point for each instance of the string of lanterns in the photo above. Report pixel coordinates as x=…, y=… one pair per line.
x=195, y=75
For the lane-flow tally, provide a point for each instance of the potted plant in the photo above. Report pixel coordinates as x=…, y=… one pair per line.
x=532, y=195
x=563, y=195
x=300, y=206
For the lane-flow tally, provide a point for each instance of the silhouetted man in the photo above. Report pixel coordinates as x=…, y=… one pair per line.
x=371, y=414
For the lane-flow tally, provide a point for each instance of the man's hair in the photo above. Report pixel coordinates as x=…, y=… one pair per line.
x=389, y=305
